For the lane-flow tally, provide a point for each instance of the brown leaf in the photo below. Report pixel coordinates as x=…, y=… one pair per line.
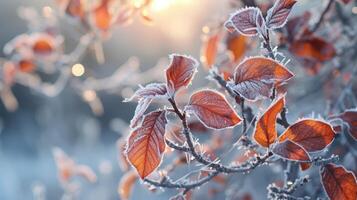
x=213, y=109
x=291, y=151
x=278, y=14
x=256, y=76
x=180, y=72
x=350, y=117
x=313, y=135
x=126, y=185
x=209, y=50
x=265, y=131
x=248, y=21
x=146, y=144
x=338, y=183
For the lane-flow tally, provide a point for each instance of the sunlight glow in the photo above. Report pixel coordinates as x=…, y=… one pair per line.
x=78, y=70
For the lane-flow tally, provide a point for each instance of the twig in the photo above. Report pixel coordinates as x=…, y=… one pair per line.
x=322, y=16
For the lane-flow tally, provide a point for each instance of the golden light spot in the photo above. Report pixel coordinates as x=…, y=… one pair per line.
x=158, y=5
x=78, y=70
x=205, y=29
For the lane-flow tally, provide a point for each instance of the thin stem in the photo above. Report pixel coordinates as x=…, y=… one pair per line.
x=322, y=16
x=267, y=46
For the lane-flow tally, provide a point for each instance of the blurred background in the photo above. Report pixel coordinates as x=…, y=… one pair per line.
x=28, y=135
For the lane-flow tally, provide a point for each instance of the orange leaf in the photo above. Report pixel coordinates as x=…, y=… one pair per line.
x=313, y=135
x=126, y=185
x=43, y=45
x=146, y=144
x=26, y=65
x=209, y=50
x=180, y=72
x=213, y=109
x=75, y=8
x=305, y=166
x=265, y=131
x=339, y=183
x=236, y=44
x=256, y=76
x=102, y=16
x=291, y=151
x=313, y=47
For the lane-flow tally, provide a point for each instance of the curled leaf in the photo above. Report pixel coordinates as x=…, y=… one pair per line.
x=248, y=21
x=256, y=76
x=313, y=135
x=350, y=117
x=180, y=72
x=291, y=151
x=152, y=90
x=338, y=183
x=126, y=185
x=146, y=144
x=265, y=131
x=278, y=14
x=140, y=109
x=213, y=109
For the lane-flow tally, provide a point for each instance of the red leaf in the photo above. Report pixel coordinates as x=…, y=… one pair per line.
x=209, y=50
x=180, y=72
x=265, y=131
x=313, y=135
x=256, y=76
x=291, y=151
x=126, y=185
x=338, y=183
x=213, y=109
x=313, y=47
x=305, y=166
x=248, y=21
x=43, y=44
x=152, y=90
x=350, y=117
x=278, y=14
x=146, y=144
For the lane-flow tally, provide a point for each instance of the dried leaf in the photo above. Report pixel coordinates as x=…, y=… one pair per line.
x=248, y=21
x=146, y=144
x=350, y=117
x=180, y=72
x=278, y=14
x=126, y=185
x=291, y=151
x=313, y=135
x=256, y=76
x=265, y=131
x=338, y=183
x=213, y=109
